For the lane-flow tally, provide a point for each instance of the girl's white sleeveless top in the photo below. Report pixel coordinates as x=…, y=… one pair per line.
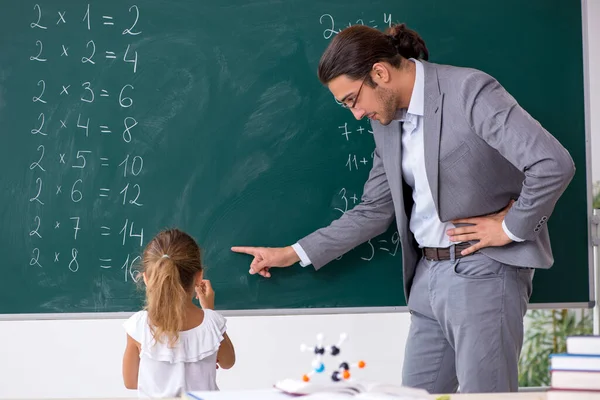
x=191, y=365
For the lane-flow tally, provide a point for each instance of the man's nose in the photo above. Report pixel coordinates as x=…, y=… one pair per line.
x=358, y=113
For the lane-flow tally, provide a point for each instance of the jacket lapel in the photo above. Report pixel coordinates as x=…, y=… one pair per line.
x=432, y=128
x=392, y=155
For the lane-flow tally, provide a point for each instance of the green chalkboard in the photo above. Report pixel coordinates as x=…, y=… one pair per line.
x=121, y=118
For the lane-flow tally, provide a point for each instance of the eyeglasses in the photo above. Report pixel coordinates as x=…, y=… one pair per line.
x=346, y=102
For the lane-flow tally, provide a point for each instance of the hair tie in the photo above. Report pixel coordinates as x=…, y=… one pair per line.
x=165, y=256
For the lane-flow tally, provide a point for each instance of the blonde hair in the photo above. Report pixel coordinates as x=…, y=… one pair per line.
x=170, y=263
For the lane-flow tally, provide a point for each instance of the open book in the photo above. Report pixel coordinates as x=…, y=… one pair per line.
x=351, y=388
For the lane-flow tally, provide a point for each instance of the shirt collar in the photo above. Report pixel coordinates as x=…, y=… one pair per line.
x=417, y=104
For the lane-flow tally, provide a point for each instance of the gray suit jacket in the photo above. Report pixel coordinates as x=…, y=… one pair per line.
x=481, y=150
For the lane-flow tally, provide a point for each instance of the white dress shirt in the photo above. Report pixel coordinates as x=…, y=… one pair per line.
x=424, y=223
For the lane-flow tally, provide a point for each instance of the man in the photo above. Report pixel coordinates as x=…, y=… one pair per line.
x=471, y=179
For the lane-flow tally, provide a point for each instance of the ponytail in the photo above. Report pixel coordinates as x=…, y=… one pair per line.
x=407, y=42
x=165, y=301
x=170, y=264
x=354, y=50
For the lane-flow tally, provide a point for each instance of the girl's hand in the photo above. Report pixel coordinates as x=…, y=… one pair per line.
x=205, y=295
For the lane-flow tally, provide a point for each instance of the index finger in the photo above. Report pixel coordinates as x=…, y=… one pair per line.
x=472, y=220
x=244, y=249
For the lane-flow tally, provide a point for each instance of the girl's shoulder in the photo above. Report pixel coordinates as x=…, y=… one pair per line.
x=137, y=325
x=213, y=319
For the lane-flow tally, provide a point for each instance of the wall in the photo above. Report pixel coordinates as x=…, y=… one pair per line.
x=82, y=358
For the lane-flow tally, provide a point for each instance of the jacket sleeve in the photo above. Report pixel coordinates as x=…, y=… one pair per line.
x=371, y=217
x=495, y=116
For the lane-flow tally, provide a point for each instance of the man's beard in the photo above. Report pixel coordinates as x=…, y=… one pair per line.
x=387, y=100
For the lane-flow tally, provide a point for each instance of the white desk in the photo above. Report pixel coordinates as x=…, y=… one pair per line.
x=276, y=395
x=245, y=395
x=499, y=396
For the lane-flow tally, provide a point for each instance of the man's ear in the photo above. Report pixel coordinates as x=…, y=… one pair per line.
x=380, y=73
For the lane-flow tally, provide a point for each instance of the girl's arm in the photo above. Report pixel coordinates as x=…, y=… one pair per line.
x=206, y=295
x=226, y=354
x=131, y=363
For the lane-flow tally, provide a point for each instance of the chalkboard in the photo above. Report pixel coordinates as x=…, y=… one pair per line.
x=121, y=118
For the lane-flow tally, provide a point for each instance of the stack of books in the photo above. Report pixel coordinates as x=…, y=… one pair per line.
x=575, y=375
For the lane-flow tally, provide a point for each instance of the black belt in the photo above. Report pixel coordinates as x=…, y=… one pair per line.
x=443, y=253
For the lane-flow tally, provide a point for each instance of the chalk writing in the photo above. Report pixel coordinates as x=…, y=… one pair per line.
x=332, y=29
x=359, y=160
x=75, y=161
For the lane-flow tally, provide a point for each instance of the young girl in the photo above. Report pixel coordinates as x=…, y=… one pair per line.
x=172, y=345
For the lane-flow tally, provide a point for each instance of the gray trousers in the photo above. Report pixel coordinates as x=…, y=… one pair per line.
x=466, y=325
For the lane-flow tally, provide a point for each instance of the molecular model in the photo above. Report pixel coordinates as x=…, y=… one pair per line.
x=318, y=367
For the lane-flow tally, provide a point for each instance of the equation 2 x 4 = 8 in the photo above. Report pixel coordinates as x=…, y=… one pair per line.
x=128, y=122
